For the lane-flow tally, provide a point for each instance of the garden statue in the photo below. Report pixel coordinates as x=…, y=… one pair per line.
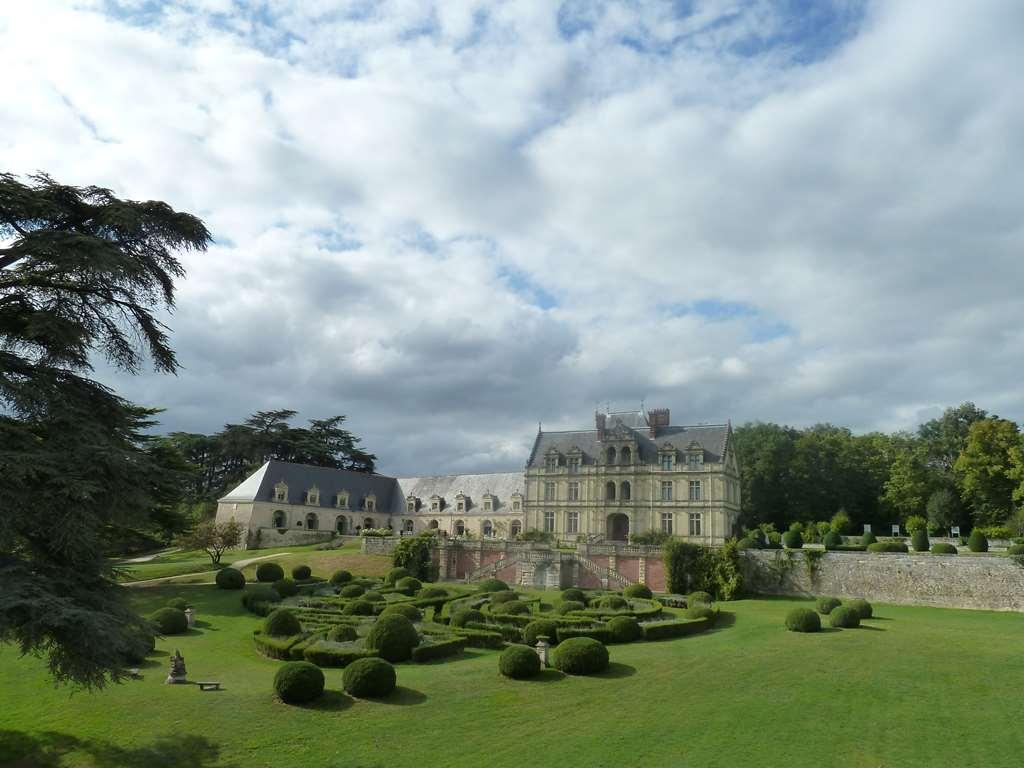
x=543, y=646
x=177, y=673
x=190, y=616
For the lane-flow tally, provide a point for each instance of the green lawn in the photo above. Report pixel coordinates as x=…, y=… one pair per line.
x=915, y=687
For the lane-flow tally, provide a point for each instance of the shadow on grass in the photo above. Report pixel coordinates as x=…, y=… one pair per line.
x=48, y=749
x=404, y=697
x=829, y=629
x=546, y=676
x=872, y=629
x=331, y=701
x=616, y=670
x=878, y=618
x=725, y=620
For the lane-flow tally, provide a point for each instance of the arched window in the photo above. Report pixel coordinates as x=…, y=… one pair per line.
x=368, y=522
x=407, y=526
x=488, y=529
x=516, y=528
x=433, y=525
x=279, y=519
x=341, y=524
x=625, y=456
x=624, y=491
x=460, y=528
x=611, y=455
x=312, y=523
x=609, y=491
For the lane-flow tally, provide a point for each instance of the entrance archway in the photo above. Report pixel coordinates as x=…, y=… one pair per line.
x=618, y=527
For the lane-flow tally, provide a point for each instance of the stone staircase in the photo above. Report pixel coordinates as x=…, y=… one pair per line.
x=606, y=575
x=490, y=569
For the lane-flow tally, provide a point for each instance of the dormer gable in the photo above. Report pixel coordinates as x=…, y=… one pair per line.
x=281, y=492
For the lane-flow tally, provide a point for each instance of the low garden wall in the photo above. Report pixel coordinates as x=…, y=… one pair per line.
x=264, y=538
x=953, y=581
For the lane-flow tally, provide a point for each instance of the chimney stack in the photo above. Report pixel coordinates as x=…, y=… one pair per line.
x=599, y=420
x=657, y=417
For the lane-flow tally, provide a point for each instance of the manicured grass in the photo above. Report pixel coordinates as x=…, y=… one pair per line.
x=914, y=687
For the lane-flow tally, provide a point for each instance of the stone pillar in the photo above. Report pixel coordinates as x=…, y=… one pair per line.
x=643, y=569
x=443, y=562
x=190, y=617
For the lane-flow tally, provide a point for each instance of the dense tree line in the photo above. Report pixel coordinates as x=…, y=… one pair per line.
x=963, y=468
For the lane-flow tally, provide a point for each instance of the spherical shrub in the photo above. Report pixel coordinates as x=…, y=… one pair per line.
x=393, y=637
x=178, y=602
x=793, y=539
x=259, y=594
x=861, y=607
x=411, y=612
x=141, y=643
x=641, y=591
x=868, y=538
x=625, y=629
x=574, y=594
x=286, y=587
x=301, y=572
x=941, y=548
x=352, y=590
x=369, y=678
x=466, y=616
x=919, y=540
x=373, y=596
x=831, y=540
x=492, y=585
x=395, y=574
x=269, y=572
x=511, y=608
x=297, y=682
x=408, y=584
x=342, y=633
x=977, y=542
x=700, y=612
x=844, y=617
x=827, y=604
x=519, y=662
x=170, y=621
x=568, y=606
x=341, y=577
x=503, y=597
x=429, y=592
x=802, y=620
x=538, y=627
x=357, y=608
x=581, y=656
x=613, y=603
x=698, y=598
x=230, y=578
x=1013, y=549
x=281, y=622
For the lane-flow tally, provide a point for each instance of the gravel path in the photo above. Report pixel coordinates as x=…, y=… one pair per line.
x=170, y=579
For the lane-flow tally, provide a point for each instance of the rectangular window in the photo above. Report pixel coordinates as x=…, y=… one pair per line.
x=666, y=522
x=666, y=490
x=695, y=490
x=549, y=522
x=574, y=465
x=695, y=524
x=549, y=491
x=666, y=461
x=574, y=491
x=487, y=506
x=515, y=506
x=693, y=461
x=551, y=463
x=572, y=522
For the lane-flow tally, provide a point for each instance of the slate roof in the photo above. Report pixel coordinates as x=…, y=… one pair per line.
x=259, y=486
x=501, y=484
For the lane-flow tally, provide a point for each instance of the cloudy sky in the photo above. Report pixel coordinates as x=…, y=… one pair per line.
x=453, y=220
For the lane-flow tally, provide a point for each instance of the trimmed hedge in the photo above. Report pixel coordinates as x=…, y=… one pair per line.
x=492, y=585
x=393, y=637
x=369, y=678
x=431, y=592
x=169, y=621
x=624, y=629
x=284, y=648
x=297, y=682
x=827, y=604
x=919, y=540
x=230, y=578
x=793, y=540
x=503, y=597
x=358, y=608
x=410, y=611
x=698, y=598
x=977, y=542
x=862, y=607
x=301, y=572
x=569, y=606
x=342, y=633
x=519, y=662
x=395, y=574
x=178, y=602
x=662, y=630
x=700, y=612
x=601, y=634
x=409, y=584
x=257, y=596
x=941, y=548
x=535, y=629
x=887, y=546
x=373, y=596
x=511, y=608
x=439, y=649
x=465, y=616
x=612, y=602
x=574, y=594
x=831, y=540
x=868, y=538
x=326, y=656
x=282, y=623
x=286, y=587
x=352, y=590
x=480, y=638
x=844, y=617
x=803, y=620
x=510, y=633
x=581, y=656
x=269, y=572
x=638, y=590
x=341, y=577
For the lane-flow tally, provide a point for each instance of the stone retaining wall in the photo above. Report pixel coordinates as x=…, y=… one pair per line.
x=265, y=538
x=953, y=581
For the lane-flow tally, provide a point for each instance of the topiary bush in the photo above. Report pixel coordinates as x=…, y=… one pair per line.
x=844, y=617
x=700, y=612
x=430, y=592
x=919, y=540
x=613, y=603
x=831, y=540
x=269, y=572
x=641, y=591
x=411, y=612
x=568, y=606
x=580, y=656
x=539, y=627
x=395, y=574
x=492, y=585
x=393, y=637
x=868, y=538
x=793, y=539
x=503, y=597
x=369, y=678
x=625, y=629
x=519, y=662
x=352, y=590
x=977, y=542
x=574, y=594
x=373, y=596
x=259, y=594
x=341, y=577
x=178, y=602
x=169, y=621
x=230, y=578
x=941, y=548
x=301, y=572
x=803, y=620
x=466, y=616
x=511, y=608
x=297, y=682
x=862, y=607
x=358, y=608
x=342, y=633
x=827, y=604
x=698, y=598
x=409, y=584
x=887, y=546
x=281, y=623
x=286, y=587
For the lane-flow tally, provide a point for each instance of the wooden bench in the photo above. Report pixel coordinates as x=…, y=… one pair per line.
x=208, y=685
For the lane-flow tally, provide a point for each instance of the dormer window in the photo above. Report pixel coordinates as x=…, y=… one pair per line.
x=461, y=502
x=667, y=457
x=281, y=492
x=694, y=456
x=517, y=502
x=488, y=502
x=551, y=460
x=411, y=503
x=313, y=496
x=435, y=503
x=574, y=464
x=370, y=503
x=341, y=500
